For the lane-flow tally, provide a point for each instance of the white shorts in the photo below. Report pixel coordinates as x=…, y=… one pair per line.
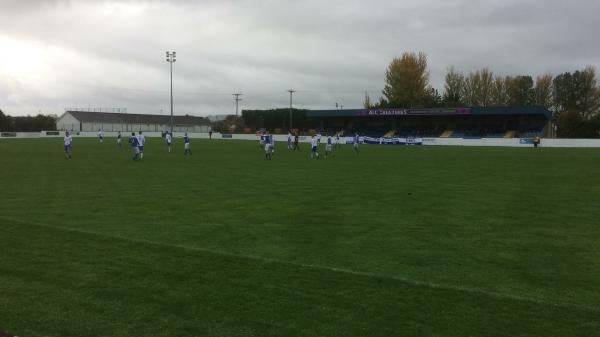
x=267, y=148
x=186, y=146
x=328, y=147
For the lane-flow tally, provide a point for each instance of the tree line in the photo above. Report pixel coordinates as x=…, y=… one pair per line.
x=27, y=123
x=573, y=97
x=278, y=118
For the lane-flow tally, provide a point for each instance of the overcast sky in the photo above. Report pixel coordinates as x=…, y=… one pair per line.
x=58, y=53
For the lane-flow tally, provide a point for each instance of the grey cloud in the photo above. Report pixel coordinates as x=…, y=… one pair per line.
x=331, y=51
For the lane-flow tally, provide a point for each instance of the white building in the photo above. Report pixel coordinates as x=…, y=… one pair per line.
x=107, y=121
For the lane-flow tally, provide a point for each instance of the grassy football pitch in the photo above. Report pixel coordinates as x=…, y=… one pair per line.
x=395, y=241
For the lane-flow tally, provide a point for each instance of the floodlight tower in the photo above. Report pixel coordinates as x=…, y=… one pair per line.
x=171, y=58
x=237, y=99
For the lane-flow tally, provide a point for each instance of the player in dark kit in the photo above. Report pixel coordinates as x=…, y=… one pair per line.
x=296, y=147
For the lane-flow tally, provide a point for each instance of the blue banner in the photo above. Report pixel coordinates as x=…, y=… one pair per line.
x=394, y=141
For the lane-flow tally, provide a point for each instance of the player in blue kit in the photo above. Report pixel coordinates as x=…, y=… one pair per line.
x=289, y=140
x=268, y=146
x=186, y=145
x=133, y=142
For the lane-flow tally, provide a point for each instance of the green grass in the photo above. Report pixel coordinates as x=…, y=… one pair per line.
x=396, y=241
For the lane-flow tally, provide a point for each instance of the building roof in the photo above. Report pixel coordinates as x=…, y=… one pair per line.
x=475, y=111
x=123, y=118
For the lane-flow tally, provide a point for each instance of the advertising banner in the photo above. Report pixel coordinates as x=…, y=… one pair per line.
x=393, y=141
x=414, y=112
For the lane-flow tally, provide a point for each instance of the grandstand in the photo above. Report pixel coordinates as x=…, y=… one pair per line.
x=477, y=122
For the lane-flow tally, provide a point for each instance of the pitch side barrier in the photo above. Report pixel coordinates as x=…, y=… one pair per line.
x=505, y=142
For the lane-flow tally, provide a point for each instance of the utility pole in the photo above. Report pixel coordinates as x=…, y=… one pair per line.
x=291, y=91
x=237, y=100
x=171, y=58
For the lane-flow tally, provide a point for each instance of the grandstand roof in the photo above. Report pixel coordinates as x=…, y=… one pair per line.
x=123, y=118
x=475, y=111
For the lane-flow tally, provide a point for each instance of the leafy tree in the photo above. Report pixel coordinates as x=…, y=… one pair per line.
x=5, y=122
x=453, y=88
x=478, y=88
x=433, y=98
x=367, y=101
x=486, y=87
x=34, y=123
x=543, y=91
x=577, y=92
x=231, y=124
x=499, y=94
x=406, y=81
x=382, y=104
x=520, y=90
x=27, y=123
x=572, y=124
x=277, y=118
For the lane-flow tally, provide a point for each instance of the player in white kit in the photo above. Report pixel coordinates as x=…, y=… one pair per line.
x=261, y=140
x=328, y=147
x=314, y=147
x=168, y=139
x=186, y=145
x=68, y=140
x=141, y=142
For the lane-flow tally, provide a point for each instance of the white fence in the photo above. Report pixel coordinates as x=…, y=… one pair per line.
x=512, y=142
x=505, y=142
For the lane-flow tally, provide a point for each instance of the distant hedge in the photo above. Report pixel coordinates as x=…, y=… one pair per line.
x=27, y=123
